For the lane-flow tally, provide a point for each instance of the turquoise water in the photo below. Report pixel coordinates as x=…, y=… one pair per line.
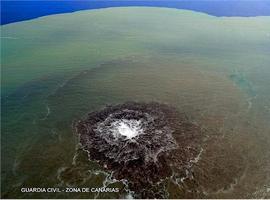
x=56, y=69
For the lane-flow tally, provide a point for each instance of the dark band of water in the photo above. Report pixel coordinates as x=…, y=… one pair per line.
x=14, y=11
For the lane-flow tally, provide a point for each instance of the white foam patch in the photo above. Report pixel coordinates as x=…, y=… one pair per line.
x=127, y=128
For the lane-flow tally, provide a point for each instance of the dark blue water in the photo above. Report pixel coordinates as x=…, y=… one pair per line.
x=14, y=11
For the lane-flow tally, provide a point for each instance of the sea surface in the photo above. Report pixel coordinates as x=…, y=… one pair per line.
x=58, y=68
x=14, y=11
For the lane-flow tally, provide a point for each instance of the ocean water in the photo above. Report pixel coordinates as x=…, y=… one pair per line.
x=14, y=11
x=56, y=69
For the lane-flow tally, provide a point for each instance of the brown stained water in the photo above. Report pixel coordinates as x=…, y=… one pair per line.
x=142, y=143
x=213, y=70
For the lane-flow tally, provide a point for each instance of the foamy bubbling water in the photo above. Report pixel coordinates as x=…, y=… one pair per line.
x=136, y=142
x=128, y=128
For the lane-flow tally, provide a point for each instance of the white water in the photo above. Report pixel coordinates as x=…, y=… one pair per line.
x=127, y=128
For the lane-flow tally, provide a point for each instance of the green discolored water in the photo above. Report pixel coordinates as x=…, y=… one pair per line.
x=56, y=69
